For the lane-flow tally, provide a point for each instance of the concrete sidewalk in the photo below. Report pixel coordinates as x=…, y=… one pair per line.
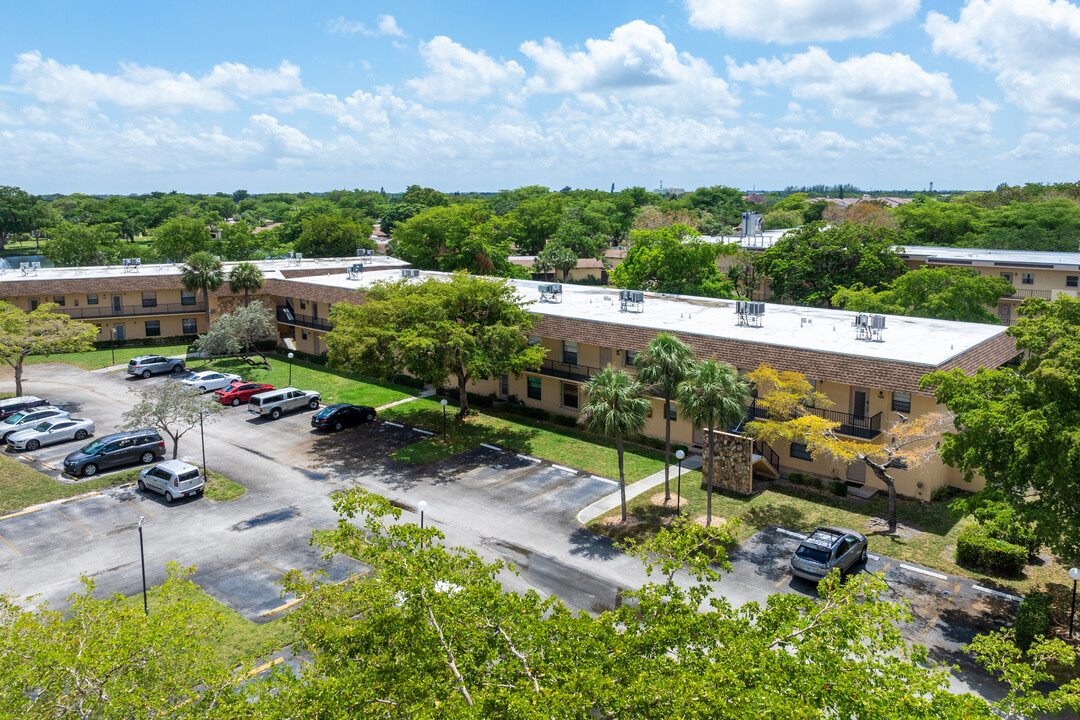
x=424, y=394
x=609, y=502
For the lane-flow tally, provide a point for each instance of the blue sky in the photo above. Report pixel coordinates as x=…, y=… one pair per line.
x=204, y=97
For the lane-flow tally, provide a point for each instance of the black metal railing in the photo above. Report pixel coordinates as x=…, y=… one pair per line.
x=763, y=449
x=104, y=311
x=287, y=316
x=865, y=427
x=567, y=371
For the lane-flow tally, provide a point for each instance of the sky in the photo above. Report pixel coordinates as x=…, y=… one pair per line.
x=124, y=97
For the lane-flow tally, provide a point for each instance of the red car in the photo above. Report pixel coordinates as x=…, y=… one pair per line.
x=239, y=392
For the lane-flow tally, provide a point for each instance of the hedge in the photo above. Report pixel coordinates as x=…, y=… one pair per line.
x=145, y=342
x=975, y=547
x=1032, y=618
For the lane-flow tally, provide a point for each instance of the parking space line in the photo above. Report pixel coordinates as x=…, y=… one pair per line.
x=547, y=492
x=77, y=498
x=27, y=511
x=1000, y=594
x=269, y=566
x=913, y=569
x=930, y=624
x=263, y=668
x=513, y=477
x=144, y=512
x=872, y=557
x=800, y=536
x=73, y=522
x=393, y=424
x=782, y=581
x=609, y=481
x=886, y=567
x=530, y=458
x=425, y=432
x=10, y=545
x=564, y=468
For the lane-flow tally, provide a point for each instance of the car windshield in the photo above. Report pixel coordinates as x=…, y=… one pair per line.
x=93, y=447
x=812, y=554
x=15, y=418
x=42, y=427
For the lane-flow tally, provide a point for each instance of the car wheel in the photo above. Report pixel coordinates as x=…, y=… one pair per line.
x=235, y=402
x=142, y=486
x=168, y=497
x=147, y=457
x=89, y=469
x=146, y=374
x=338, y=425
x=202, y=389
x=80, y=435
x=314, y=404
x=33, y=445
x=275, y=414
x=369, y=416
x=863, y=557
x=177, y=368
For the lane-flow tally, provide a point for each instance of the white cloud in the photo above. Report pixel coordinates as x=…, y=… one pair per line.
x=1032, y=45
x=457, y=73
x=146, y=88
x=1039, y=146
x=284, y=137
x=387, y=25
x=872, y=90
x=796, y=21
x=636, y=63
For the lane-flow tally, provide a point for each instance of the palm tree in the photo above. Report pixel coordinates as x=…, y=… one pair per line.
x=661, y=367
x=713, y=395
x=615, y=406
x=246, y=277
x=202, y=271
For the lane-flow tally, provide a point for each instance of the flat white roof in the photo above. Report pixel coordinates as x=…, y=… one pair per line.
x=988, y=255
x=905, y=339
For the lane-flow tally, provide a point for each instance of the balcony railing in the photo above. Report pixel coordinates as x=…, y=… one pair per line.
x=287, y=316
x=858, y=426
x=104, y=311
x=568, y=371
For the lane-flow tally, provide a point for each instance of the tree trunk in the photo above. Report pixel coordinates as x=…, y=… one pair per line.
x=245, y=297
x=463, y=396
x=18, y=366
x=206, y=299
x=708, y=478
x=667, y=448
x=622, y=477
x=175, y=445
x=880, y=474
x=565, y=274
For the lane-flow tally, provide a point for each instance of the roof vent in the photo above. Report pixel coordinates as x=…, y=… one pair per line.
x=356, y=271
x=365, y=255
x=131, y=264
x=869, y=327
x=631, y=301
x=750, y=312
x=410, y=272
x=29, y=268
x=551, y=293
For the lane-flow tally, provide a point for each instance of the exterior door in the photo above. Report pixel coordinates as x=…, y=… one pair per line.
x=1005, y=313
x=118, y=331
x=858, y=403
x=117, y=303
x=856, y=472
x=605, y=357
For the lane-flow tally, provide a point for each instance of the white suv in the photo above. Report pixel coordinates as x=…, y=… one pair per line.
x=282, y=400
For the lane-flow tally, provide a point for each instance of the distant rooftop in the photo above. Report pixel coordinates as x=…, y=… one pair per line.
x=983, y=256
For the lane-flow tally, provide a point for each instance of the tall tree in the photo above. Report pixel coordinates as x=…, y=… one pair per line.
x=464, y=327
x=71, y=245
x=1020, y=429
x=674, y=259
x=615, y=406
x=180, y=237
x=17, y=212
x=39, y=332
x=946, y=293
x=238, y=241
x=662, y=366
x=245, y=277
x=556, y=256
x=808, y=265
x=239, y=332
x=330, y=236
x=458, y=237
x=204, y=272
x=172, y=408
x=711, y=396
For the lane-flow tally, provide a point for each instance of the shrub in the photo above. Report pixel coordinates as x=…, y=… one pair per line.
x=1032, y=618
x=146, y=342
x=976, y=548
x=839, y=488
x=941, y=492
x=408, y=381
x=1001, y=522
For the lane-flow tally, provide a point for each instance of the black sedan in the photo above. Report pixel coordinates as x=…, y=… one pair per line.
x=342, y=415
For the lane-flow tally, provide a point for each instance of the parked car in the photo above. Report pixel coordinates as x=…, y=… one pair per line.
x=17, y=404
x=827, y=548
x=51, y=431
x=283, y=400
x=27, y=419
x=342, y=415
x=109, y=451
x=209, y=380
x=173, y=479
x=239, y=391
x=147, y=365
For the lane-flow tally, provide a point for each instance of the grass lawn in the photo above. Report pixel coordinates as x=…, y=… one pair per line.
x=218, y=487
x=553, y=442
x=802, y=509
x=96, y=359
x=22, y=486
x=240, y=639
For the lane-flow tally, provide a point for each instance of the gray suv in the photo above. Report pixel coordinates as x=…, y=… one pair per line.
x=147, y=365
x=109, y=451
x=283, y=400
x=827, y=548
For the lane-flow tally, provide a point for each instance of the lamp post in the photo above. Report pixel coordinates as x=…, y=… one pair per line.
x=1074, y=573
x=421, y=506
x=290, y=356
x=112, y=346
x=142, y=558
x=443, y=403
x=202, y=439
x=679, y=455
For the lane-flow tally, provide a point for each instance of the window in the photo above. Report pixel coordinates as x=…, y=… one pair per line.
x=534, y=340
x=799, y=450
x=187, y=297
x=628, y=357
x=1007, y=276
x=1028, y=278
x=91, y=300
x=149, y=299
x=534, y=388
x=1072, y=280
x=569, y=395
x=98, y=326
x=901, y=402
x=33, y=305
x=59, y=300
x=569, y=353
x=303, y=334
x=190, y=326
x=303, y=304
x=673, y=413
x=898, y=464
x=153, y=328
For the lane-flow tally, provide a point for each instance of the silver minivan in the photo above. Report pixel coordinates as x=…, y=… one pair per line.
x=173, y=478
x=282, y=400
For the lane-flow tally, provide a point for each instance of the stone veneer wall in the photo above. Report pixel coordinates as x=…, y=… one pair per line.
x=733, y=462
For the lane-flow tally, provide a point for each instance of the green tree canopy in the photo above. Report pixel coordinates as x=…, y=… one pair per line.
x=239, y=332
x=39, y=332
x=556, y=256
x=17, y=212
x=808, y=265
x=330, y=236
x=533, y=220
x=936, y=223
x=725, y=203
x=457, y=237
x=171, y=407
x=180, y=237
x=946, y=293
x=238, y=242
x=202, y=271
x=673, y=259
x=464, y=327
x=72, y=245
x=245, y=277
x=662, y=366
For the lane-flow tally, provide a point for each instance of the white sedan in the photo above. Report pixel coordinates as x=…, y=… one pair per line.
x=51, y=431
x=209, y=380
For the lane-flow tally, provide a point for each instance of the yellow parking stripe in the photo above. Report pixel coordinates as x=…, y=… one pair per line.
x=548, y=492
x=513, y=477
x=264, y=667
x=75, y=523
x=144, y=512
x=269, y=566
x=10, y=545
x=77, y=498
x=27, y=511
x=930, y=624
x=782, y=581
